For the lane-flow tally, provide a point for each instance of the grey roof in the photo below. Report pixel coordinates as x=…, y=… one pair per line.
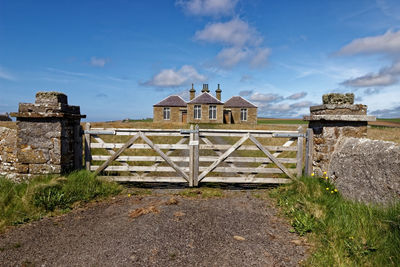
x=171, y=101
x=205, y=98
x=238, y=102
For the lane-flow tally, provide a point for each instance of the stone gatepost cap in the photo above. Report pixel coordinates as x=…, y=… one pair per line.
x=338, y=99
x=51, y=98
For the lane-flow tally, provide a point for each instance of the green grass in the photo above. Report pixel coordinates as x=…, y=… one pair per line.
x=278, y=121
x=31, y=200
x=202, y=192
x=342, y=232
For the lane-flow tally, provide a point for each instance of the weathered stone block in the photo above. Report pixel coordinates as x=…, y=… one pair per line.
x=366, y=170
x=51, y=98
x=22, y=168
x=27, y=154
x=44, y=168
x=335, y=98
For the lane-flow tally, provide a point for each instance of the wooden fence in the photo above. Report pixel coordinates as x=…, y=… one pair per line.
x=196, y=155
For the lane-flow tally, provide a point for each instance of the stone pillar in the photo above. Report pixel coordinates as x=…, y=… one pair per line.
x=49, y=135
x=337, y=117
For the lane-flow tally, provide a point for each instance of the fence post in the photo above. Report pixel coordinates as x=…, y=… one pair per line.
x=299, y=165
x=191, y=156
x=88, y=155
x=194, y=156
x=309, y=151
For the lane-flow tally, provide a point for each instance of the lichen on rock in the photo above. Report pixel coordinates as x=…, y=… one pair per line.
x=339, y=99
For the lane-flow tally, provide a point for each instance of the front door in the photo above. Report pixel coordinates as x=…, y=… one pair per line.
x=184, y=116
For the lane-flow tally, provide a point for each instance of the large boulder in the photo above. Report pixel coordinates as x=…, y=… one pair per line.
x=366, y=170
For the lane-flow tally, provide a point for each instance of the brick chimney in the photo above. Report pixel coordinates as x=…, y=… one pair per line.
x=192, y=92
x=218, y=93
x=205, y=88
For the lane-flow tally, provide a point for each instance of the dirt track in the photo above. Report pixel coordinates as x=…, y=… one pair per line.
x=236, y=230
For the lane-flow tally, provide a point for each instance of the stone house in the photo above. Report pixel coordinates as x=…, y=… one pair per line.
x=5, y=117
x=205, y=108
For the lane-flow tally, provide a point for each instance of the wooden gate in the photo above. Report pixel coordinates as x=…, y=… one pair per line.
x=195, y=155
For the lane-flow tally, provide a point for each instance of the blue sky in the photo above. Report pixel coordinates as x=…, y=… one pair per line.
x=117, y=58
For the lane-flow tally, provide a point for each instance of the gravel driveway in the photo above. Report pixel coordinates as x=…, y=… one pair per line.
x=161, y=229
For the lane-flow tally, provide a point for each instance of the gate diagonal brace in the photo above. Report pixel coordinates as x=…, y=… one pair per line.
x=165, y=157
x=224, y=156
x=219, y=153
x=270, y=156
x=112, y=152
x=276, y=154
x=118, y=153
x=169, y=152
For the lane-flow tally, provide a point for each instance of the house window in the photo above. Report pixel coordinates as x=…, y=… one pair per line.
x=197, y=112
x=212, y=112
x=243, y=114
x=167, y=113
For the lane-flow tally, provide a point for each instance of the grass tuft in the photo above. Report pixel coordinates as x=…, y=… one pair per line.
x=343, y=232
x=33, y=199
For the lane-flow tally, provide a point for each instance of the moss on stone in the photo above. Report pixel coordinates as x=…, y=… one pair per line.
x=335, y=98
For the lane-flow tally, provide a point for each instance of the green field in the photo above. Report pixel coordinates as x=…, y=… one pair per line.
x=280, y=121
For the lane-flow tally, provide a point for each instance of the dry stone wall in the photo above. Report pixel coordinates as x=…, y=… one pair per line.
x=48, y=138
x=366, y=170
x=8, y=152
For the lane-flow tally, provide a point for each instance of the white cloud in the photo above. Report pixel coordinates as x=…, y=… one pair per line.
x=260, y=57
x=389, y=42
x=265, y=97
x=371, y=80
x=98, y=62
x=173, y=78
x=245, y=92
x=245, y=78
x=297, y=96
x=302, y=104
x=244, y=43
x=386, y=76
x=387, y=113
x=6, y=75
x=208, y=7
x=235, y=32
x=390, y=8
x=229, y=57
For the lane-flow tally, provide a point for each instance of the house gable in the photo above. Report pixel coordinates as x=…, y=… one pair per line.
x=205, y=98
x=238, y=102
x=171, y=101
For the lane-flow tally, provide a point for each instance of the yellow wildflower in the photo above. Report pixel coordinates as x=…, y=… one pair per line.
x=312, y=174
x=327, y=189
x=324, y=173
x=335, y=190
x=332, y=192
x=129, y=195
